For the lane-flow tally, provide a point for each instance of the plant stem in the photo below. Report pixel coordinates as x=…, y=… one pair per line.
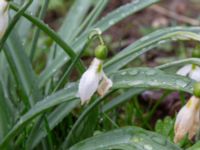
x=37, y=32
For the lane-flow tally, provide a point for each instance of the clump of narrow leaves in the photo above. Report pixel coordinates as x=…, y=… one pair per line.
x=41, y=109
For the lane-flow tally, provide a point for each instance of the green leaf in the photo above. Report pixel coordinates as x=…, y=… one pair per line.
x=173, y=66
x=72, y=22
x=196, y=146
x=65, y=95
x=165, y=127
x=24, y=26
x=84, y=129
x=22, y=69
x=149, y=42
x=121, y=98
x=4, y=115
x=54, y=118
x=150, y=78
x=133, y=91
x=127, y=138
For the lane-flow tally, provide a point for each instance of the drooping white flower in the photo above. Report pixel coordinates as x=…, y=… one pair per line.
x=192, y=71
x=90, y=80
x=188, y=120
x=3, y=17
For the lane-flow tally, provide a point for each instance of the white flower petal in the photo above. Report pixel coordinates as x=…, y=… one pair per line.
x=3, y=17
x=195, y=74
x=187, y=120
x=184, y=71
x=195, y=126
x=89, y=81
x=105, y=85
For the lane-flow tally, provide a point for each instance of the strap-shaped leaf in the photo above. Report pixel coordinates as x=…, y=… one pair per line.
x=150, y=78
x=24, y=26
x=21, y=68
x=196, y=146
x=65, y=95
x=179, y=63
x=70, y=25
x=121, y=98
x=127, y=138
x=72, y=22
x=133, y=91
x=4, y=114
x=149, y=42
x=54, y=119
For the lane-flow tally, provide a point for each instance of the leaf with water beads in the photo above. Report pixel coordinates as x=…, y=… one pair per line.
x=150, y=78
x=127, y=138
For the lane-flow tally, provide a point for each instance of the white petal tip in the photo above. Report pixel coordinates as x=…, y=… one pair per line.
x=104, y=86
x=184, y=71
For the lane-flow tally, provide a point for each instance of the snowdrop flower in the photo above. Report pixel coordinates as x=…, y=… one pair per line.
x=191, y=70
x=89, y=82
x=188, y=121
x=3, y=17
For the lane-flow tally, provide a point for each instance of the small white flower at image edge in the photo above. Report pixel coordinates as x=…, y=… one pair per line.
x=3, y=17
x=185, y=70
x=193, y=71
x=195, y=74
x=187, y=120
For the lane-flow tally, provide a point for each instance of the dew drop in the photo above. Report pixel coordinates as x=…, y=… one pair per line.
x=153, y=83
x=54, y=70
x=65, y=59
x=145, y=38
x=151, y=72
x=133, y=72
x=111, y=22
x=123, y=73
x=138, y=82
x=161, y=42
x=135, y=140
x=123, y=15
x=148, y=147
x=181, y=83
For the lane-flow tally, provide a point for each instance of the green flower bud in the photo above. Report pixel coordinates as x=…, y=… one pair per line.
x=196, y=91
x=101, y=52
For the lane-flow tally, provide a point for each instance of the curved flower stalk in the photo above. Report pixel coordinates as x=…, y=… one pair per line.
x=191, y=70
x=94, y=78
x=3, y=17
